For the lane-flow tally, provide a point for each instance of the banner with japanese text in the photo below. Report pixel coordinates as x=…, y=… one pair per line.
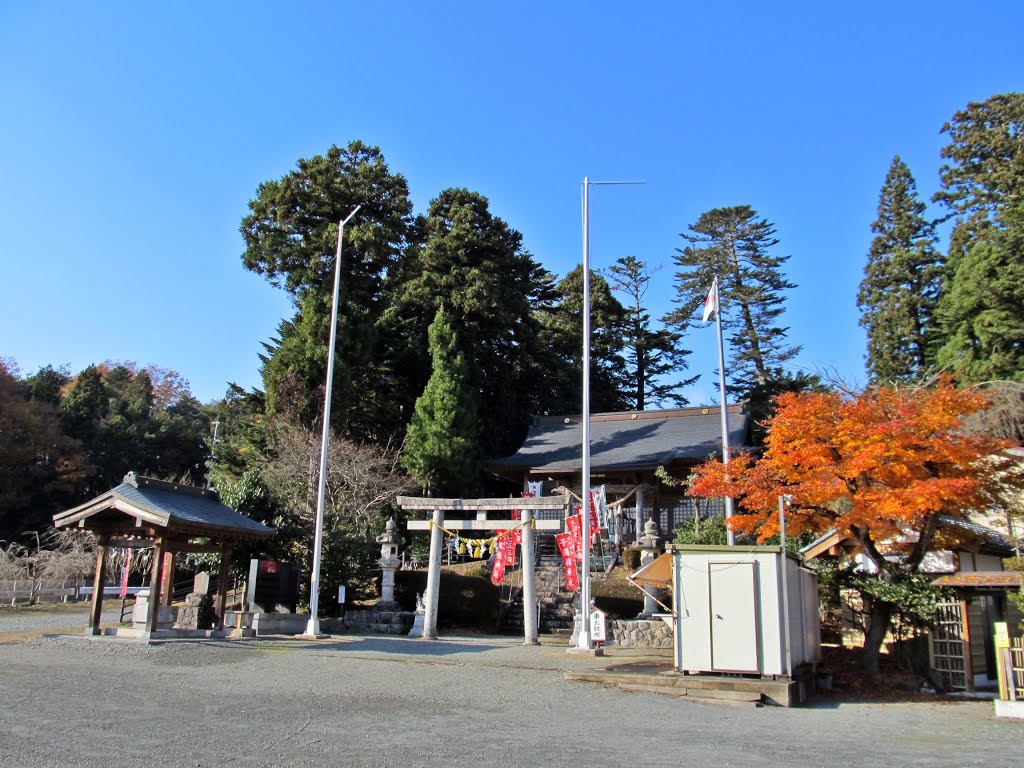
x=507, y=544
x=574, y=526
x=599, y=501
x=568, y=550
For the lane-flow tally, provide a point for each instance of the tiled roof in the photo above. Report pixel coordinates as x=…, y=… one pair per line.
x=632, y=440
x=173, y=505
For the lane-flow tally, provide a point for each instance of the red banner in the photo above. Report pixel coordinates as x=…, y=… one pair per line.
x=568, y=550
x=595, y=523
x=574, y=525
x=508, y=544
x=498, y=571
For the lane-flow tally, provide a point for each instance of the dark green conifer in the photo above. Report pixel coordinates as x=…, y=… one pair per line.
x=901, y=284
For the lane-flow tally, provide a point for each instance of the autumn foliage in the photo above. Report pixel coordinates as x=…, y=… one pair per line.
x=881, y=466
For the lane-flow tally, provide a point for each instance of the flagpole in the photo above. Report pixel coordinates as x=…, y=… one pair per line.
x=583, y=639
x=731, y=537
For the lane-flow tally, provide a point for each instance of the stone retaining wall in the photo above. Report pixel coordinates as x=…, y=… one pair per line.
x=383, y=622
x=637, y=633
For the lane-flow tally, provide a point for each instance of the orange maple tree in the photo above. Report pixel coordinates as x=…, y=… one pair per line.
x=882, y=466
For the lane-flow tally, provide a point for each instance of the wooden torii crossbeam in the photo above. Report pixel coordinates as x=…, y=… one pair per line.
x=481, y=522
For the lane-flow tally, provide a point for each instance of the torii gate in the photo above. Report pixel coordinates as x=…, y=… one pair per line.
x=528, y=505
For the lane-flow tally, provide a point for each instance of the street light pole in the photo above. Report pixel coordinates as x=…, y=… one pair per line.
x=583, y=638
x=313, y=627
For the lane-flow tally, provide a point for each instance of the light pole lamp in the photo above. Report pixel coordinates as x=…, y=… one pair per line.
x=583, y=639
x=313, y=627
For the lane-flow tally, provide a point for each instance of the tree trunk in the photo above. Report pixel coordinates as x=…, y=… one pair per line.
x=878, y=626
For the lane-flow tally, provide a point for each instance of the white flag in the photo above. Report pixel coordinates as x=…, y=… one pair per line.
x=711, y=302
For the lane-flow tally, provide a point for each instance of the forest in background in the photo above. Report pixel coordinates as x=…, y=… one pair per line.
x=452, y=336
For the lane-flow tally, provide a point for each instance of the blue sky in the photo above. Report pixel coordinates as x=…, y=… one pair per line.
x=134, y=136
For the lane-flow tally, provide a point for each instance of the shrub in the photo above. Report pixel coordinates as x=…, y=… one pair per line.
x=463, y=601
x=631, y=558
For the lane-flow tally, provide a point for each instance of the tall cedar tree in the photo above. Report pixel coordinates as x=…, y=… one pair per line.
x=653, y=356
x=985, y=172
x=291, y=237
x=982, y=310
x=733, y=245
x=901, y=283
x=881, y=467
x=440, y=445
x=473, y=263
x=610, y=386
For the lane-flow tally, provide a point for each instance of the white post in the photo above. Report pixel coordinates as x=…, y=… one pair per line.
x=787, y=654
x=529, y=581
x=731, y=537
x=583, y=640
x=433, y=577
x=313, y=627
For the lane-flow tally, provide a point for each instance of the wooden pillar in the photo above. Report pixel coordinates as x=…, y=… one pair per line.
x=167, y=579
x=154, y=584
x=639, y=515
x=968, y=650
x=222, y=584
x=433, y=577
x=529, y=581
x=97, y=585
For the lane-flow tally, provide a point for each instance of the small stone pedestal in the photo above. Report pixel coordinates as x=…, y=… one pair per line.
x=650, y=548
x=164, y=614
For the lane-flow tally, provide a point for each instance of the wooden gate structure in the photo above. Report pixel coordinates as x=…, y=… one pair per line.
x=482, y=509
x=950, y=647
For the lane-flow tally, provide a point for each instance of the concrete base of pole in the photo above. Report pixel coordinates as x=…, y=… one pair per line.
x=585, y=651
x=313, y=631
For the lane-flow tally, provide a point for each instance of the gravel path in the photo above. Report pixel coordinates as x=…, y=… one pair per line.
x=463, y=701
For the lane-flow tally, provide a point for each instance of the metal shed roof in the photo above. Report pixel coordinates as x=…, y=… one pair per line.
x=629, y=440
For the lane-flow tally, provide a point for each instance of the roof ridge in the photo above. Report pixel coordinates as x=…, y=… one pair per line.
x=141, y=481
x=663, y=413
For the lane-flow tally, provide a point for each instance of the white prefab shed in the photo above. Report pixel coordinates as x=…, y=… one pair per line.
x=730, y=610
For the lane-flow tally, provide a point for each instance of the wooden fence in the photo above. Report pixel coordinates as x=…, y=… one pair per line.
x=15, y=591
x=1012, y=669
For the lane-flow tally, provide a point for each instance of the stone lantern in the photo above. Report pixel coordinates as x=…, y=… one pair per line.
x=389, y=561
x=650, y=548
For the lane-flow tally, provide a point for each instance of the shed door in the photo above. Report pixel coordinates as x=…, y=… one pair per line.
x=733, y=617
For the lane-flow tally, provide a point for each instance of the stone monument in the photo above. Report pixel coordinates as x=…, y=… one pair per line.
x=197, y=612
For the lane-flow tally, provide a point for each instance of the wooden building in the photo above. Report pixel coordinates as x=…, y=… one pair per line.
x=626, y=449
x=961, y=642
x=144, y=513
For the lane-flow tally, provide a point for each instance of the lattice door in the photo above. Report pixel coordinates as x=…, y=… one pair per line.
x=950, y=647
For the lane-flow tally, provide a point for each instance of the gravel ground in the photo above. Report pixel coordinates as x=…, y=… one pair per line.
x=381, y=701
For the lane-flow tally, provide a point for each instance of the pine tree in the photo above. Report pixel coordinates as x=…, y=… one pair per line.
x=610, y=387
x=901, y=283
x=982, y=309
x=291, y=237
x=651, y=354
x=985, y=172
x=440, y=445
x=734, y=245
x=474, y=264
